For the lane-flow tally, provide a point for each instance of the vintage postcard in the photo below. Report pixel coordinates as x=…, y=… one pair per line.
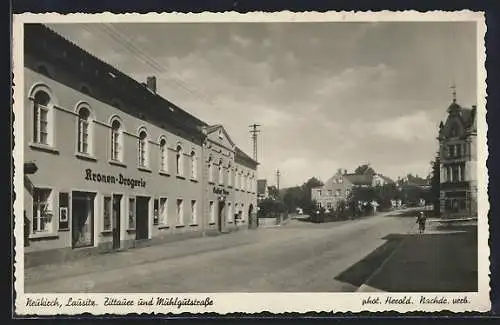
x=245, y=163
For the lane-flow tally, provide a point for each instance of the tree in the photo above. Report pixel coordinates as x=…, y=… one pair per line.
x=293, y=198
x=364, y=169
x=273, y=192
x=306, y=188
x=434, y=192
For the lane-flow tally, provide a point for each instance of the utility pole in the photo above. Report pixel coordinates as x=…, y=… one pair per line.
x=278, y=179
x=254, y=131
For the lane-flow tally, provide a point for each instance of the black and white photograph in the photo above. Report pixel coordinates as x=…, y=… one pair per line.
x=299, y=162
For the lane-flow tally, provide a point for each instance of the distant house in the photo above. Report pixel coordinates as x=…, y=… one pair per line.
x=340, y=185
x=335, y=189
x=262, y=189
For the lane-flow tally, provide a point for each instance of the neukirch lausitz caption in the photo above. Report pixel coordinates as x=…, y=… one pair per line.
x=79, y=302
x=42, y=302
x=399, y=300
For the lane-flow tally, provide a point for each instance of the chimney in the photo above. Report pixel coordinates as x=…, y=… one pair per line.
x=151, y=83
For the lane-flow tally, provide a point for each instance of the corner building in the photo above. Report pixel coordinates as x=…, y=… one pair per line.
x=118, y=166
x=458, y=162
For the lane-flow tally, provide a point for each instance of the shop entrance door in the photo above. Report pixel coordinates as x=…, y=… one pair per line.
x=221, y=215
x=82, y=225
x=117, y=199
x=142, y=217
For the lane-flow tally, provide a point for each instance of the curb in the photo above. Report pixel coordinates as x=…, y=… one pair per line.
x=365, y=287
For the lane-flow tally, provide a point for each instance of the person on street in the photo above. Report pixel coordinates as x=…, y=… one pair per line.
x=421, y=219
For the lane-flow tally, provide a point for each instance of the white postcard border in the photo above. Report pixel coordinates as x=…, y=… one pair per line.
x=224, y=303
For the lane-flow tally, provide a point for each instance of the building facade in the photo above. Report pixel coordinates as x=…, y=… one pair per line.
x=118, y=165
x=458, y=159
x=339, y=186
x=335, y=189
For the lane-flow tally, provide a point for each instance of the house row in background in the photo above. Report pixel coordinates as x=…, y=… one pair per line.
x=116, y=164
x=340, y=185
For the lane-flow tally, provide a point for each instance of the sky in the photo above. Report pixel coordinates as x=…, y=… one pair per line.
x=327, y=95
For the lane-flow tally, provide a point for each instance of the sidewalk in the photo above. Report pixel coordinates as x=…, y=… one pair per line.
x=444, y=259
x=144, y=255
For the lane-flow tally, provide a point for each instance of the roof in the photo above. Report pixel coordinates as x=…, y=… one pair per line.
x=241, y=157
x=261, y=186
x=466, y=116
x=359, y=179
x=44, y=41
x=386, y=179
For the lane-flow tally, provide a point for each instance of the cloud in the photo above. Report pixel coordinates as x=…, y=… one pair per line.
x=327, y=95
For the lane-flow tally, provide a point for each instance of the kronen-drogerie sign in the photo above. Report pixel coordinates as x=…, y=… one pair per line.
x=112, y=179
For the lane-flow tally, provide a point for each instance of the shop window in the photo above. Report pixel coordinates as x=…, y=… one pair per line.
x=106, y=218
x=116, y=141
x=163, y=155
x=180, y=211
x=84, y=130
x=82, y=223
x=131, y=213
x=41, y=118
x=42, y=210
x=143, y=149
x=163, y=211
x=156, y=212
x=193, y=212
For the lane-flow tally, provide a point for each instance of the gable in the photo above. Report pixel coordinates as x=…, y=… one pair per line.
x=218, y=134
x=454, y=127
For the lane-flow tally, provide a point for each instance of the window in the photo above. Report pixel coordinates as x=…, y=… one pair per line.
x=210, y=172
x=458, y=150
x=42, y=210
x=229, y=176
x=212, y=211
x=131, y=213
x=319, y=192
x=236, y=178
x=462, y=172
x=156, y=212
x=229, y=212
x=163, y=211
x=143, y=149
x=83, y=130
x=180, y=211
x=178, y=161
x=41, y=118
x=193, y=212
x=194, y=165
x=107, y=214
x=221, y=175
x=116, y=141
x=163, y=155
x=451, y=151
